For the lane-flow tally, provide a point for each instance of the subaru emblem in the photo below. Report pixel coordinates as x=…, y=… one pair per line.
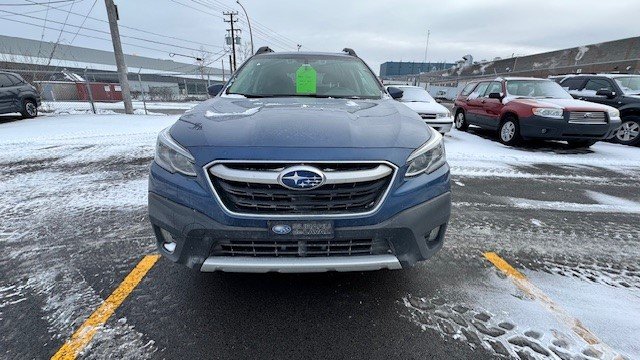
x=301, y=178
x=281, y=229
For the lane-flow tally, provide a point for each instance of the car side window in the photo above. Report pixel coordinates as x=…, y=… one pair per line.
x=593, y=85
x=468, y=89
x=572, y=84
x=4, y=81
x=494, y=87
x=14, y=80
x=479, y=90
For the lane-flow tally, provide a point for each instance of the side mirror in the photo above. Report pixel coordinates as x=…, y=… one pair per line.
x=214, y=90
x=395, y=92
x=495, y=96
x=606, y=93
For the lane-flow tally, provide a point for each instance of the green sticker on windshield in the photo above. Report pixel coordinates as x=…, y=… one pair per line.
x=306, y=80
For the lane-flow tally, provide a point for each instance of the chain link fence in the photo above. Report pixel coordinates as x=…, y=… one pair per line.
x=72, y=91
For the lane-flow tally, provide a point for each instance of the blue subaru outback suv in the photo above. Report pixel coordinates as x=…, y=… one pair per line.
x=301, y=163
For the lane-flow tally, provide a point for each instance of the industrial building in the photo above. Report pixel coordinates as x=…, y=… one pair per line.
x=618, y=56
x=63, y=72
x=390, y=69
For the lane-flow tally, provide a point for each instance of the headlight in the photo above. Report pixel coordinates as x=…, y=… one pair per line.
x=549, y=112
x=443, y=115
x=614, y=113
x=173, y=157
x=428, y=157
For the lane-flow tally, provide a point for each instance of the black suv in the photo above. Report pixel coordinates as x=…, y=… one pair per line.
x=621, y=91
x=16, y=95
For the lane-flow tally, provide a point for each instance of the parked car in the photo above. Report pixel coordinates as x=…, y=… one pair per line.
x=419, y=100
x=621, y=91
x=16, y=95
x=441, y=95
x=302, y=162
x=531, y=108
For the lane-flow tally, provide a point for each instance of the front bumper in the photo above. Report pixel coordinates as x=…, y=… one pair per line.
x=537, y=127
x=195, y=235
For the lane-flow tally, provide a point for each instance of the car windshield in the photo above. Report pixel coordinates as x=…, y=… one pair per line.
x=629, y=84
x=536, y=89
x=413, y=94
x=306, y=75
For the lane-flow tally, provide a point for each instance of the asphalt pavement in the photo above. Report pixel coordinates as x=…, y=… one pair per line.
x=74, y=226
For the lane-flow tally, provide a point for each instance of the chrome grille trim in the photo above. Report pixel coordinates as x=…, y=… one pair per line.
x=428, y=116
x=587, y=117
x=383, y=197
x=271, y=177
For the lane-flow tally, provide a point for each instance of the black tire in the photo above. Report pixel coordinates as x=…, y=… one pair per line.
x=509, y=131
x=29, y=109
x=629, y=132
x=581, y=144
x=460, y=121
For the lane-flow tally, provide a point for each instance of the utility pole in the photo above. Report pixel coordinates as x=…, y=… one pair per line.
x=112, y=14
x=230, y=66
x=232, y=21
x=426, y=49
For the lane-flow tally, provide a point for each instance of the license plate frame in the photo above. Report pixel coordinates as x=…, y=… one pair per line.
x=301, y=230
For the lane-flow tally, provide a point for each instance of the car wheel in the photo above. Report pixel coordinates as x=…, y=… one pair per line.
x=629, y=132
x=29, y=109
x=461, y=121
x=509, y=131
x=577, y=144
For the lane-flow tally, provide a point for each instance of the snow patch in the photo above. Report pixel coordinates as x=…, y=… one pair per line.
x=248, y=112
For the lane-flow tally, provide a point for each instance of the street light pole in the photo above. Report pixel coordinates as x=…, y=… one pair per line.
x=426, y=49
x=249, y=23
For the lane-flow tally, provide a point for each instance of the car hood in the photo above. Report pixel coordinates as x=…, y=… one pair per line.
x=426, y=107
x=566, y=104
x=301, y=123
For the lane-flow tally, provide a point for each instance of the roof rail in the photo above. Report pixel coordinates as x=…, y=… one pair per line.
x=264, y=49
x=349, y=51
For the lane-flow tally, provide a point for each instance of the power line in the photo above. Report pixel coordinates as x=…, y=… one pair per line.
x=122, y=26
x=262, y=34
x=83, y=21
x=281, y=39
x=91, y=36
x=36, y=3
x=105, y=32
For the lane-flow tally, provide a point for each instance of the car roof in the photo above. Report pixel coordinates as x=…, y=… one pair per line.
x=519, y=78
x=306, y=53
x=607, y=75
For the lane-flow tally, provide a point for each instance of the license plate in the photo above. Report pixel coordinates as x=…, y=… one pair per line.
x=301, y=229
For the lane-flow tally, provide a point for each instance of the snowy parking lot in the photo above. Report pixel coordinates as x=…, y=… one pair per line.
x=541, y=260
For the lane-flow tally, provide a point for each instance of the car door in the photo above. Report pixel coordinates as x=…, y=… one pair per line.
x=474, y=103
x=491, y=107
x=592, y=86
x=6, y=94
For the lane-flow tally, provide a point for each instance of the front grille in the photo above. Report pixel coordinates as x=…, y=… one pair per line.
x=586, y=117
x=300, y=248
x=254, y=198
x=428, y=116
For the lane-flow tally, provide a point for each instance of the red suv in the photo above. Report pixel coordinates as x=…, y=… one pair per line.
x=531, y=108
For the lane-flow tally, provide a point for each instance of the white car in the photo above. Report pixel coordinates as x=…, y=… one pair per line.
x=419, y=100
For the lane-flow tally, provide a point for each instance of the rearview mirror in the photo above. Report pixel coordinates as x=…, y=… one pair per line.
x=395, y=92
x=606, y=93
x=495, y=96
x=214, y=90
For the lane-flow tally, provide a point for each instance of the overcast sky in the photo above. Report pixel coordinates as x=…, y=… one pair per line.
x=379, y=31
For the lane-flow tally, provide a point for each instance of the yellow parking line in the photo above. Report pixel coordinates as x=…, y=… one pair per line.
x=526, y=286
x=88, y=329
